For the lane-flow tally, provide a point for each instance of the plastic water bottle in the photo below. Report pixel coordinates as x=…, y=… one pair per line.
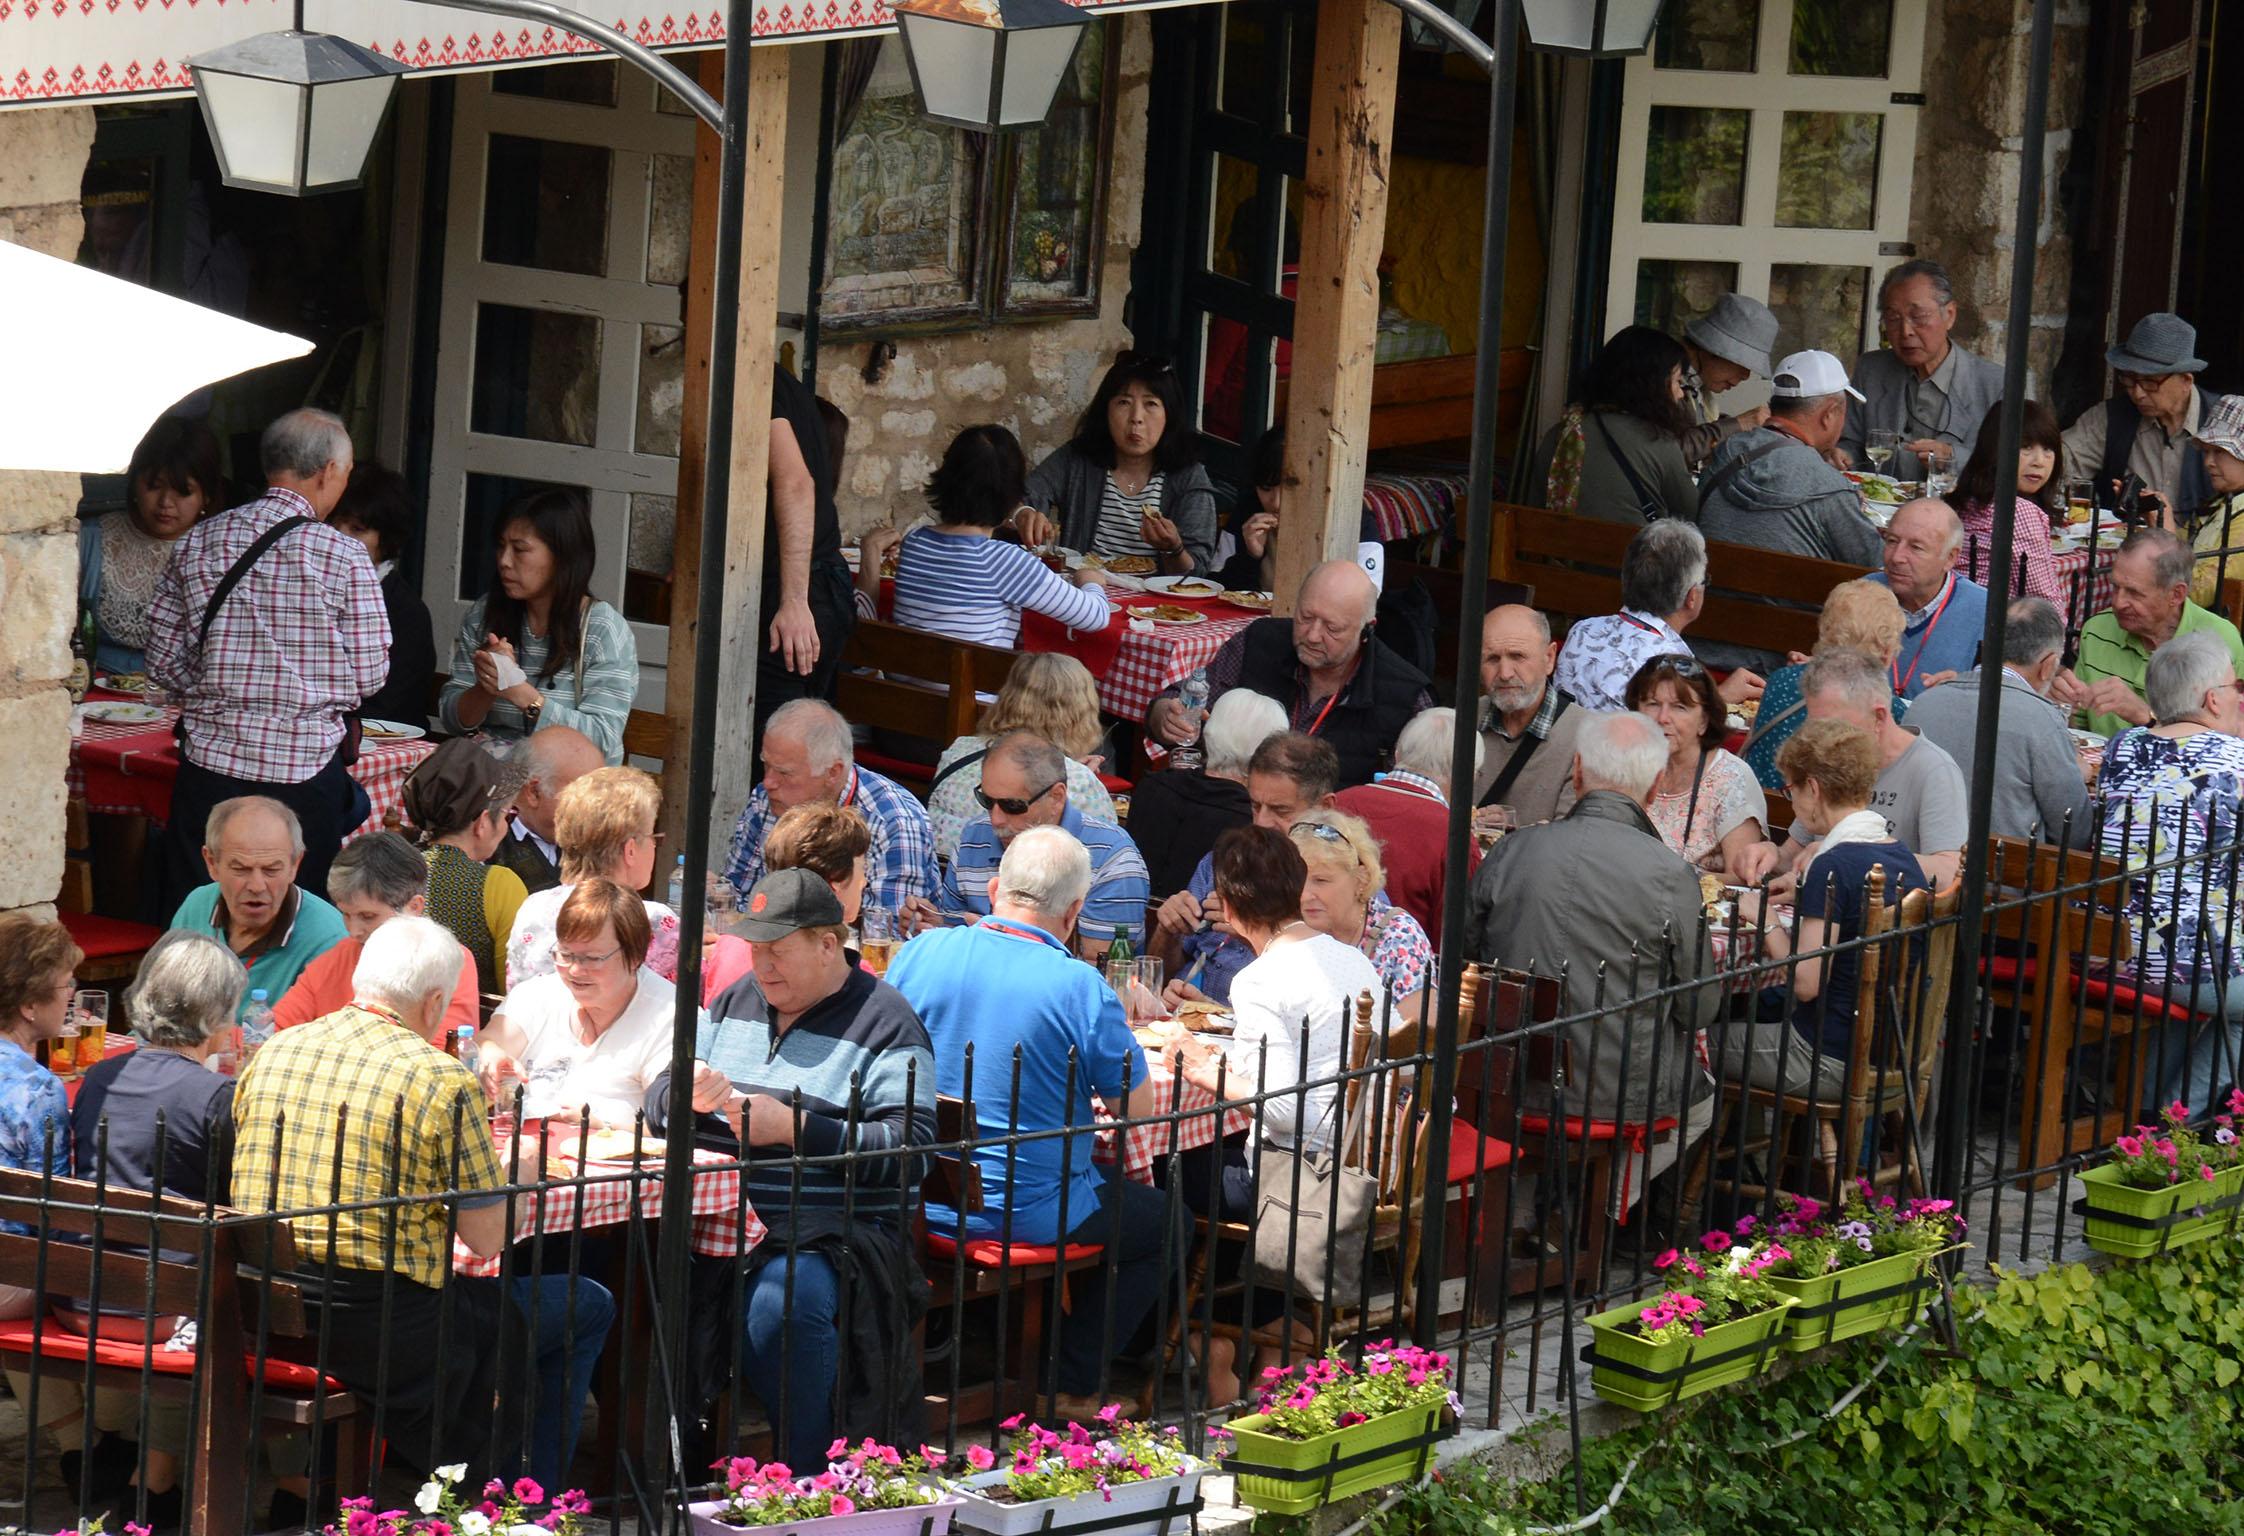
x=1193, y=697
x=678, y=885
x=463, y=1044
x=257, y=1024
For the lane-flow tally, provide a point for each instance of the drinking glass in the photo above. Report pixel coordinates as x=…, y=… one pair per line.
x=89, y=1011
x=877, y=936
x=1492, y=822
x=2080, y=500
x=1940, y=470
x=1151, y=975
x=1883, y=443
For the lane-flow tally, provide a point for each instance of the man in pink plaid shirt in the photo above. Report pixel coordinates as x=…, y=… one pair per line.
x=300, y=639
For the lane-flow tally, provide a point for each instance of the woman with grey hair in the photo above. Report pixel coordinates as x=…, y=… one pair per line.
x=161, y=1110
x=2170, y=793
x=1175, y=818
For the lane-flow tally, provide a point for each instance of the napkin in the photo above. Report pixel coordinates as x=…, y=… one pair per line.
x=509, y=670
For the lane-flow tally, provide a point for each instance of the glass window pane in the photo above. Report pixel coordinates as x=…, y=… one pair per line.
x=545, y=204
x=1820, y=307
x=1707, y=34
x=1248, y=56
x=1694, y=165
x=662, y=388
x=1850, y=38
x=484, y=509
x=1056, y=188
x=1827, y=170
x=590, y=82
x=1671, y=294
x=1234, y=219
x=648, y=552
x=537, y=375
x=670, y=219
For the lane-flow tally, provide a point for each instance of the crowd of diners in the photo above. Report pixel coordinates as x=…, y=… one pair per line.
x=1300, y=865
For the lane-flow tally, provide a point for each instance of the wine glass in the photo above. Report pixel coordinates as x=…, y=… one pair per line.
x=1883, y=444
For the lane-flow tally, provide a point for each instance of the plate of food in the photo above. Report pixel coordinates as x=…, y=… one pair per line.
x=1882, y=487
x=137, y=683
x=617, y=1146
x=1259, y=601
x=1124, y=565
x=2086, y=741
x=1204, y=1016
x=119, y=712
x=390, y=730
x=1184, y=586
x=1168, y=613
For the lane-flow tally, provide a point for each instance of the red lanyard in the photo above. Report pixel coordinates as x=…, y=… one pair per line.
x=1320, y=720
x=1020, y=931
x=1900, y=678
x=1649, y=629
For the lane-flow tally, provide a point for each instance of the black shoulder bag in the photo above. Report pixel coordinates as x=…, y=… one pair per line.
x=1648, y=506
x=241, y=567
x=1501, y=785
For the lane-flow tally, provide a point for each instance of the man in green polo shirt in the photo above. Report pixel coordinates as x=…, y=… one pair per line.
x=252, y=847
x=2150, y=606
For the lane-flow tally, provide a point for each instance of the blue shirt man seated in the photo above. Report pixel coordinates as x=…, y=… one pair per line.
x=1024, y=785
x=810, y=1057
x=1034, y=1065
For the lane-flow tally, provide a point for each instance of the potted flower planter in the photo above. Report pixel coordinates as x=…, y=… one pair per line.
x=1167, y=1505
x=1846, y=1303
x=1633, y=1371
x=2134, y=1223
x=1282, y=1476
x=914, y=1520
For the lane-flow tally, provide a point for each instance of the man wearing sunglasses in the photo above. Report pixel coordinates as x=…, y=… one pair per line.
x=2148, y=428
x=1024, y=785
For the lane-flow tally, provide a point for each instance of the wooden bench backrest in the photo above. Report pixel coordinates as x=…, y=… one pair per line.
x=953, y=1178
x=1575, y=566
x=646, y=734
x=940, y=713
x=2087, y=921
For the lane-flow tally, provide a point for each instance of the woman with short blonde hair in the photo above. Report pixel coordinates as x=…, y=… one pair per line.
x=604, y=823
x=1859, y=615
x=1344, y=896
x=1050, y=694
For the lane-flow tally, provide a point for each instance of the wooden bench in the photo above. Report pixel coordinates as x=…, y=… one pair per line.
x=250, y=1302
x=1755, y=598
x=881, y=668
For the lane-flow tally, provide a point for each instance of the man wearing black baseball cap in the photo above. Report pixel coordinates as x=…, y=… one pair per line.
x=780, y=1058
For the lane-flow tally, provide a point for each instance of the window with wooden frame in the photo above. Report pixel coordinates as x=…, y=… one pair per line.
x=932, y=228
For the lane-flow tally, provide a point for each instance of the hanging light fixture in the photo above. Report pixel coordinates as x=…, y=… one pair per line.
x=294, y=112
x=988, y=64
x=1594, y=29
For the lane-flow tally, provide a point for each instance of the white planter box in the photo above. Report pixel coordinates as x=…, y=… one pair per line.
x=934, y=1519
x=1109, y=1516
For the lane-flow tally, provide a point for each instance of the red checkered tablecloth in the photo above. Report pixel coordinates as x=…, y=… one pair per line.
x=1195, y=1124
x=1134, y=664
x=2098, y=564
x=615, y=1192
x=129, y=769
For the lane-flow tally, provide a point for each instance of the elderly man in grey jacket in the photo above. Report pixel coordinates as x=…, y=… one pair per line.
x=1920, y=384
x=2039, y=788
x=1598, y=898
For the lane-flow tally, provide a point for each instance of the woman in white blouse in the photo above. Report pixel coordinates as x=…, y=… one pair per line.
x=604, y=825
x=590, y=1039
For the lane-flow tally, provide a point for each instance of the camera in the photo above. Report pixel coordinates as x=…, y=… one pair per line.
x=2135, y=503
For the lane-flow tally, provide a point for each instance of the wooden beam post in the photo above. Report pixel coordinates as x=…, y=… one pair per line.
x=770, y=69
x=1336, y=316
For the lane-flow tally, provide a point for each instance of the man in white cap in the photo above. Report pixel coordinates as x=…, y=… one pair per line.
x=2220, y=445
x=1772, y=487
x=1727, y=345
x=2156, y=408
x=1919, y=384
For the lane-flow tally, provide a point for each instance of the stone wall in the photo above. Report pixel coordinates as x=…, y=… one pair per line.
x=1031, y=377
x=42, y=156
x=1969, y=140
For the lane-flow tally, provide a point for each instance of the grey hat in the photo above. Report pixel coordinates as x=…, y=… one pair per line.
x=2160, y=343
x=1738, y=330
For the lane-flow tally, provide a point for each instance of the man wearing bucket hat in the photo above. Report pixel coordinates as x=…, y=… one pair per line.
x=808, y=1057
x=1919, y=384
x=2220, y=446
x=2156, y=407
x=1727, y=345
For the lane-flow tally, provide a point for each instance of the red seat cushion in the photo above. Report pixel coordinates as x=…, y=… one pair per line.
x=59, y=1343
x=104, y=937
x=2093, y=990
x=1631, y=1131
x=894, y=767
x=1471, y=1153
x=2007, y=970
x=1116, y=786
x=989, y=1253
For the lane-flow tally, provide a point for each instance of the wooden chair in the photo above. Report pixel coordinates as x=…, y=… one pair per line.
x=113, y=948
x=880, y=662
x=646, y=734
x=242, y=1305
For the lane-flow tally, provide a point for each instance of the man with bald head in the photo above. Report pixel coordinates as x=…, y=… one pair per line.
x=1946, y=612
x=252, y=848
x=1337, y=680
x=559, y=756
x=1527, y=722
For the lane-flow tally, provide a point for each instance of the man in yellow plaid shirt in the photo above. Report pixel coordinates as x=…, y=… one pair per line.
x=360, y=1106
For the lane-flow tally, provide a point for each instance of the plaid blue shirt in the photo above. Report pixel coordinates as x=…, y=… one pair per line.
x=899, y=865
x=31, y=1099
x=1120, y=887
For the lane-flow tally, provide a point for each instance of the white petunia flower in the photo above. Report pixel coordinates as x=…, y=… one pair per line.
x=431, y=1495
x=473, y=1522
x=452, y=1473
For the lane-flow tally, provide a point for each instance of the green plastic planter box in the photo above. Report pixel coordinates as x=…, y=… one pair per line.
x=1289, y=1477
x=1629, y=1369
x=1847, y=1303
x=2136, y=1223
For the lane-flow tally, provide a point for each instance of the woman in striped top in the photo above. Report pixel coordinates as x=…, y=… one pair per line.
x=1128, y=483
x=954, y=579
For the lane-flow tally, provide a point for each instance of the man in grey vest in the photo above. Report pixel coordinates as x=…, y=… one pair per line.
x=2148, y=428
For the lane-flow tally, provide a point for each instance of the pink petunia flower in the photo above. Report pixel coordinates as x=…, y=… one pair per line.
x=1715, y=1242
x=979, y=1458
x=2129, y=1146
x=841, y=1504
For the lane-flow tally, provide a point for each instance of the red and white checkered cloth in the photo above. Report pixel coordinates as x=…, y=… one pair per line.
x=1133, y=664
x=124, y=770
x=2069, y=564
x=1196, y=1124
x=622, y=1190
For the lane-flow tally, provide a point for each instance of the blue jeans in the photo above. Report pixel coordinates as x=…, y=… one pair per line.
x=1133, y=1268
x=2194, y=1062
x=569, y=1322
x=790, y=1350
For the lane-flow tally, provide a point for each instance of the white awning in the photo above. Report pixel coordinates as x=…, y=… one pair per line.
x=57, y=53
x=96, y=359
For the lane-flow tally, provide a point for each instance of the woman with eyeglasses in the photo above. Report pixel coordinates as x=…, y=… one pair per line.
x=1707, y=804
x=1344, y=895
x=594, y=1035
x=1129, y=483
x=604, y=824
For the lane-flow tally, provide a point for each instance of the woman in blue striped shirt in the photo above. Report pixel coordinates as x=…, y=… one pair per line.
x=954, y=579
